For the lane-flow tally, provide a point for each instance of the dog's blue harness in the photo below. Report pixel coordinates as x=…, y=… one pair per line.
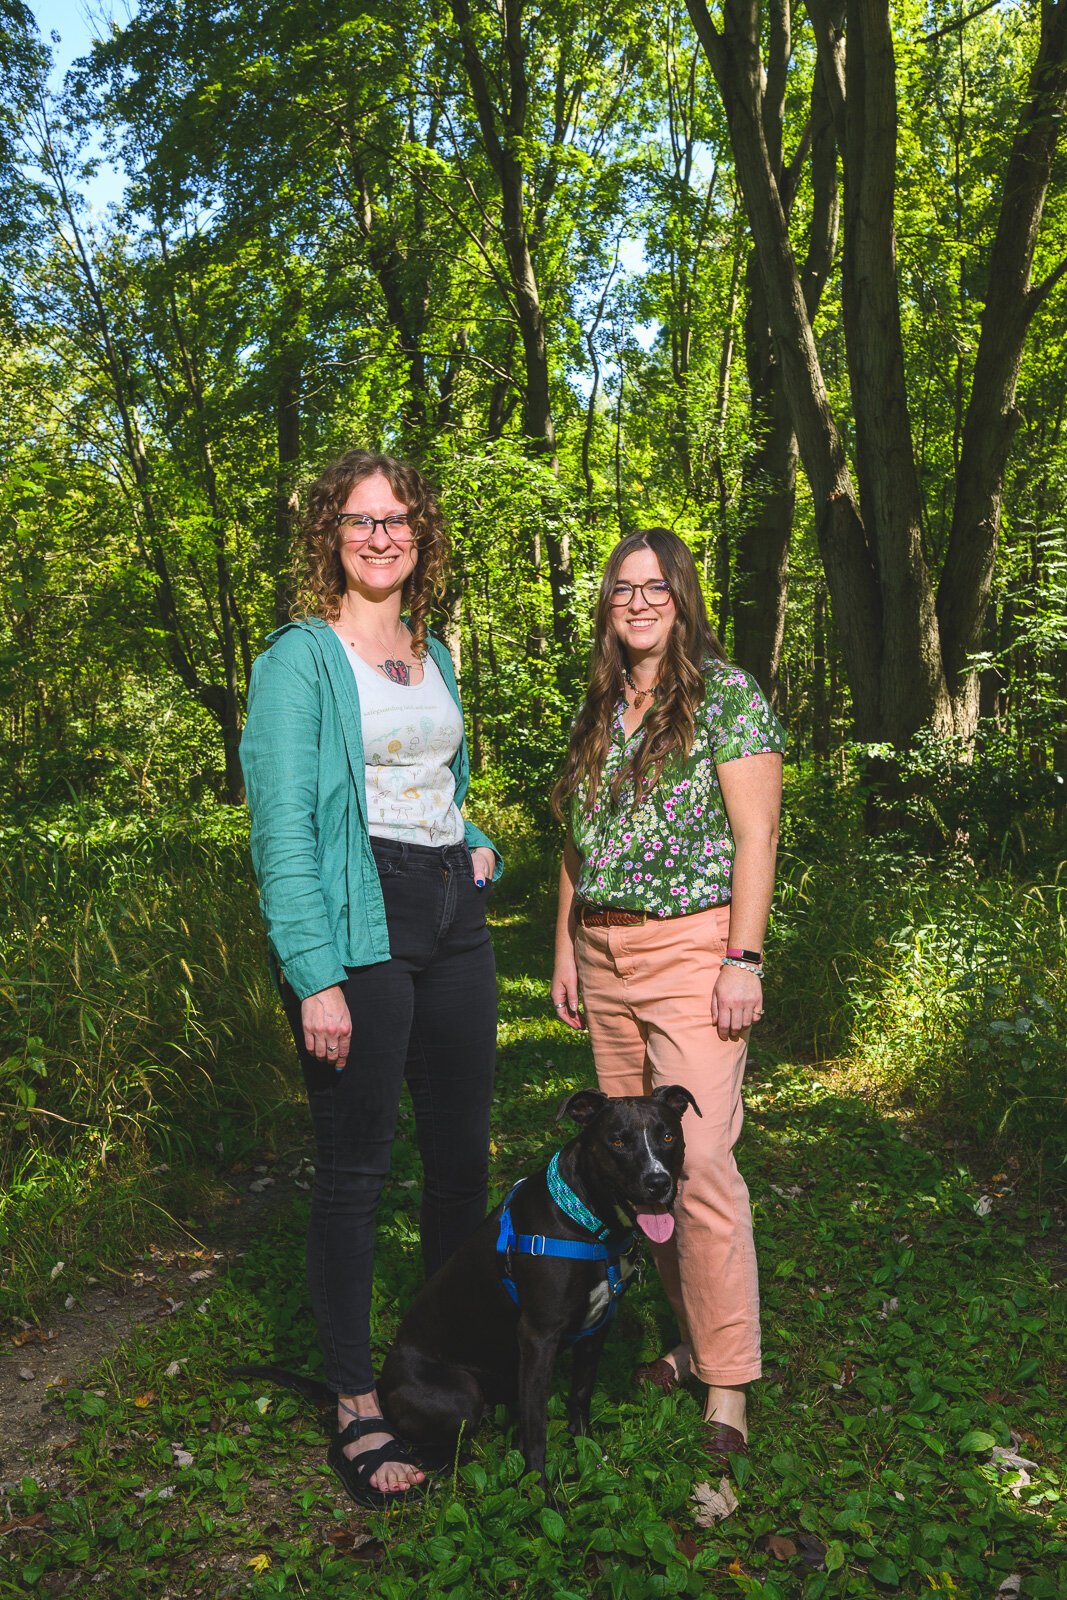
x=606, y=1249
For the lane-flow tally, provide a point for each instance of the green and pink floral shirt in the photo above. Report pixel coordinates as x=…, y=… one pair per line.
x=674, y=852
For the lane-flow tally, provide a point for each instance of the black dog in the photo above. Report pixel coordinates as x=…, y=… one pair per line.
x=469, y=1340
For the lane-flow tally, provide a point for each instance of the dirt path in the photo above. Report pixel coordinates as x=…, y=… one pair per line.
x=38, y=1363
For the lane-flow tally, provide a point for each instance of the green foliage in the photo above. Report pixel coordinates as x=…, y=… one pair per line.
x=138, y=1029
x=907, y=1331
x=934, y=987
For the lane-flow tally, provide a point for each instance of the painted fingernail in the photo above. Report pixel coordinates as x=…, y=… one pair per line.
x=479, y=883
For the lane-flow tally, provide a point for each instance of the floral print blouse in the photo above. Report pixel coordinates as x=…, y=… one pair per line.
x=674, y=852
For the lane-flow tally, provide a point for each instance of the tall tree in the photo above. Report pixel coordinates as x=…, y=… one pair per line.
x=907, y=637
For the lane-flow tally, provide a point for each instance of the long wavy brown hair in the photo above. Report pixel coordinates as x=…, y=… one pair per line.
x=319, y=580
x=670, y=726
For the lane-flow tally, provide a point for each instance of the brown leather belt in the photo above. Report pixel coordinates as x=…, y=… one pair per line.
x=610, y=917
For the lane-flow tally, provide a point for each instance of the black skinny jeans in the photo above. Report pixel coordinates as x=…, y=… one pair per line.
x=428, y=1014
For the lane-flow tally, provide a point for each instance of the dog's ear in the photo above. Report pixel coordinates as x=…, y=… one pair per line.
x=673, y=1095
x=582, y=1106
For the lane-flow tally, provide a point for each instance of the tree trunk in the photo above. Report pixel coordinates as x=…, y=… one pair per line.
x=503, y=128
x=913, y=691
x=735, y=61
x=286, y=500
x=768, y=498
x=991, y=420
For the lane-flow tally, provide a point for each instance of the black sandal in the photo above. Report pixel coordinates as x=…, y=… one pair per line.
x=356, y=1472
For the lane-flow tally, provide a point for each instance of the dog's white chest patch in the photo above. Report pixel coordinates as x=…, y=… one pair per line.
x=598, y=1300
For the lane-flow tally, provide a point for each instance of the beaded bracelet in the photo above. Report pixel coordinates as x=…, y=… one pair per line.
x=746, y=966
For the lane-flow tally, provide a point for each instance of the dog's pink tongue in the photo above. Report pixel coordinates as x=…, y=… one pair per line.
x=656, y=1225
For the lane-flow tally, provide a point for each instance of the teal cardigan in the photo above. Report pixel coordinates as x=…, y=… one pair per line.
x=302, y=754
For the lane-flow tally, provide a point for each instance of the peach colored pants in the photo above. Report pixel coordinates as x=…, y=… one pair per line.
x=647, y=998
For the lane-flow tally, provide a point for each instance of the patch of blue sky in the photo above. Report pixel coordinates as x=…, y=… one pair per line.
x=69, y=29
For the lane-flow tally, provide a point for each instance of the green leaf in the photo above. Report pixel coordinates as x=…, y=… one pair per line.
x=552, y=1525
x=976, y=1440
x=835, y=1555
x=882, y=1570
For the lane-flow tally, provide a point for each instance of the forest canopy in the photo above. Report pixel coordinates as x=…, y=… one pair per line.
x=787, y=279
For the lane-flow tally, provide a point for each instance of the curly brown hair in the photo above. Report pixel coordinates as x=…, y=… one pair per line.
x=319, y=580
x=670, y=726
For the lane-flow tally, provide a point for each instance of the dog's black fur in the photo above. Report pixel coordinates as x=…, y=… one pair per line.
x=464, y=1344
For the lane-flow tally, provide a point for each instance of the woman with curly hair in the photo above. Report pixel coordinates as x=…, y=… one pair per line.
x=372, y=887
x=672, y=785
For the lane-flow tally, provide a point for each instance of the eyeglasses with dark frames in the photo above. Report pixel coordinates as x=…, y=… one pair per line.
x=357, y=528
x=655, y=592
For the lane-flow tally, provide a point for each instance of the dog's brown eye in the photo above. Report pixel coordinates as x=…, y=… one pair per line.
x=617, y=1144
x=668, y=1138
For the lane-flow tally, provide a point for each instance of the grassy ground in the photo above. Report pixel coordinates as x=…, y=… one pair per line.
x=912, y=1336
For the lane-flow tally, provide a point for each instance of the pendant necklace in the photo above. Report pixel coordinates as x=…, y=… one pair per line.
x=640, y=695
x=395, y=668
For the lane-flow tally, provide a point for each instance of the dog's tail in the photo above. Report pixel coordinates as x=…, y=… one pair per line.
x=311, y=1388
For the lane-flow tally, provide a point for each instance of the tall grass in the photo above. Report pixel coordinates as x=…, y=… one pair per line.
x=139, y=1030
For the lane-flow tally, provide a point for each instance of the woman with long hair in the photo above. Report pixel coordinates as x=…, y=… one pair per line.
x=672, y=791
x=372, y=887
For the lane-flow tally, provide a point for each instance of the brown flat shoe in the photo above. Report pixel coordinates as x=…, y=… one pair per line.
x=721, y=1442
x=659, y=1373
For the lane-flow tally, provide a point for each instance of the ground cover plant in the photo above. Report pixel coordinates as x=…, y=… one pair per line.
x=909, y=1437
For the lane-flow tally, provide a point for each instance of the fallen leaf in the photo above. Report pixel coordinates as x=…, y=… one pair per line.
x=361, y=1546
x=56, y=1270
x=713, y=1505
x=1008, y=1461
x=736, y=1568
x=173, y=1370
x=263, y=1404
x=33, y=1336
x=198, y=1277
x=781, y=1548
x=686, y=1546
x=259, y=1185
x=258, y=1563
x=983, y=1205
x=68, y=1304
x=848, y=1373
x=145, y=1399
x=1011, y=1587
x=37, y=1519
x=811, y=1548
x=27, y=1374
x=182, y=1458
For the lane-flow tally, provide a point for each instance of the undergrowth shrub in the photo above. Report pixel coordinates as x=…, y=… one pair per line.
x=933, y=985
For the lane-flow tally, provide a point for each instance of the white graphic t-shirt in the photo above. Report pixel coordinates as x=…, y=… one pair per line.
x=410, y=737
